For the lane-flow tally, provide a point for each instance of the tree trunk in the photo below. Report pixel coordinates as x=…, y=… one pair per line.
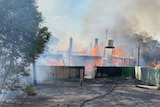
x=34, y=74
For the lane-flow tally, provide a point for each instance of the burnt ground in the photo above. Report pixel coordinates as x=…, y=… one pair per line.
x=94, y=93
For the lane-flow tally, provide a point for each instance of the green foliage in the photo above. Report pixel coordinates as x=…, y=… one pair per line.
x=36, y=46
x=30, y=90
x=22, y=39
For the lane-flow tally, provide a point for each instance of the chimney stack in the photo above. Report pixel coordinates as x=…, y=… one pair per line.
x=70, y=46
x=70, y=43
x=96, y=41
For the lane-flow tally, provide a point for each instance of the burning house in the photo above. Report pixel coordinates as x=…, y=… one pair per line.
x=88, y=60
x=68, y=63
x=63, y=61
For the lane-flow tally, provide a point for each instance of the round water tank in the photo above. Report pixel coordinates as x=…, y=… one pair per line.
x=109, y=44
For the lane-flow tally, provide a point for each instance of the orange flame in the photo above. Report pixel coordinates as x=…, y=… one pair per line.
x=98, y=62
x=55, y=62
x=115, y=61
x=118, y=53
x=89, y=67
x=158, y=65
x=85, y=51
x=95, y=50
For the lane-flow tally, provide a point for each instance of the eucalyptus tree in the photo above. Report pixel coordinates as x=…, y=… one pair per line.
x=22, y=40
x=149, y=47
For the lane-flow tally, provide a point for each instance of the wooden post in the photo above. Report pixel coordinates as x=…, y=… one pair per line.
x=81, y=76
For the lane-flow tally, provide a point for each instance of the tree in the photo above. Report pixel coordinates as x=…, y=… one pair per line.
x=22, y=39
x=36, y=47
x=150, y=48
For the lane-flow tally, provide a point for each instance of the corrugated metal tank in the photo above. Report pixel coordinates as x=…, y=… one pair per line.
x=148, y=75
x=138, y=74
x=109, y=44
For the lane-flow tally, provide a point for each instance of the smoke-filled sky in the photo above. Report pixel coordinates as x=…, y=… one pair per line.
x=85, y=20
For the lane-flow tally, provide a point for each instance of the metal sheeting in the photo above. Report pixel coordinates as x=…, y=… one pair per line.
x=67, y=71
x=128, y=72
x=115, y=72
x=138, y=74
x=43, y=73
x=52, y=72
x=148, y=75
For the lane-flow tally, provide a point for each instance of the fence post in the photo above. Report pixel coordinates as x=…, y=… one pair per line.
x=81, y=76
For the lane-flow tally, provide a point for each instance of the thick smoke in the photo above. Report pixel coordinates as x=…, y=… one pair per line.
x=89, y=19
x=122, y=19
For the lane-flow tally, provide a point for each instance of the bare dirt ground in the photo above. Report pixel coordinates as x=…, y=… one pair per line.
x=93, y=93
